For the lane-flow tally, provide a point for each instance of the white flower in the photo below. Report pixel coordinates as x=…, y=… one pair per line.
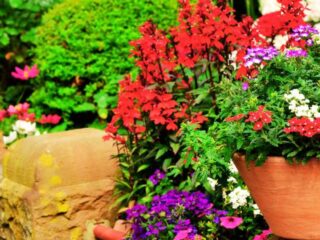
x=213, y=183
x=313, y=11
x=256, y=210
x=232, y=179
x=268, y=6
x=233, y=167
x=24, y=127
x=238, y=197
x=9, y=139
x=280, y=40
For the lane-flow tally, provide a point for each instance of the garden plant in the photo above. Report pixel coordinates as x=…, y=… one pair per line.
x=182, y=86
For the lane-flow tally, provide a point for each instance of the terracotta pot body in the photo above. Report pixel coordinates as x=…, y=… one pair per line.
x=106, y=233
x=287, y=195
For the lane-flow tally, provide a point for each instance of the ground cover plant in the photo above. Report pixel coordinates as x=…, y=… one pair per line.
x=180, y=71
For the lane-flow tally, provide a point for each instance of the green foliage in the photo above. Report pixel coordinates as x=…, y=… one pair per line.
x=82, y=47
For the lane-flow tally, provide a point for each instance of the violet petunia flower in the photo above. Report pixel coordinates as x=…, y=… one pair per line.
x=26, y=73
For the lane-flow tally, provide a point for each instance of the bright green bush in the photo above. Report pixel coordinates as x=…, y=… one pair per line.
x=82, y=52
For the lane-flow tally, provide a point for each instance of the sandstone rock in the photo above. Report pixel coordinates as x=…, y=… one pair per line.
x=53, y=184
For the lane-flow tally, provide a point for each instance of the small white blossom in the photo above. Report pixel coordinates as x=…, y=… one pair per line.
x=24, y=127
x=9, y=139
x=232, y=180
x=233, y=167
x=256, y=210
x=238, y=197
x=213, y=183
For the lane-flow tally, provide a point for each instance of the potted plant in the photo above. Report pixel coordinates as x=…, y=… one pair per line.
x=271, y=127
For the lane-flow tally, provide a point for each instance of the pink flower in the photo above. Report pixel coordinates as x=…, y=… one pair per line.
x=182, y=235
x=230, y=222
x=50, y=119
x=26, y=73
x=263, y=236
x=19, y=109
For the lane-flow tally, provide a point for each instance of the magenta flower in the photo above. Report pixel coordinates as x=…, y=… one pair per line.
x=230, y=222
x=263, y=236
x=245, y=86
x=26, y=73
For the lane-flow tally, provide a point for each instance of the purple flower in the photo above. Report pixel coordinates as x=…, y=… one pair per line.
x=257, y=55
x=136, y=211
x=156, y=177
x=245, y=86
x=294, y=53
x=154, y=230
x=304, y=32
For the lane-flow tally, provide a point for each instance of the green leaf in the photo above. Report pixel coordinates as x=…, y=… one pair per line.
x=85, y=107
x=175, y=147
x=143, y=167
x=16, y=3
x=166, y=164
x=161, y=152
x=103, y=113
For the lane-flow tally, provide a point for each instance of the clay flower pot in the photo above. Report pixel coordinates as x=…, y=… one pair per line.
x=288, y=195
x=107, y=233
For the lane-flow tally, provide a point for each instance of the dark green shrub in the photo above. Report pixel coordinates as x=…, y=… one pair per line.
x=82, y=51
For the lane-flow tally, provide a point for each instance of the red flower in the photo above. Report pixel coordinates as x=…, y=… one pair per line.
x=303, y=126
x=50, y=119
x=259, y=118
x=235, y=118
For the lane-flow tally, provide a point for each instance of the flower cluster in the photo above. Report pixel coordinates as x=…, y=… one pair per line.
x=295, y=53
x=304, y=126
x=238, y=197
x=259, y=118
x=258, y=55
x=298, y=104
x=304, y=32
x=179, y=212
x=23, y=121
x=156, y=177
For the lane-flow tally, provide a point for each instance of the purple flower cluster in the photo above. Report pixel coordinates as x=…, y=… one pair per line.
x=304, y=32
x=179, y=211
x=258, y=54
x=294, y=53
x=156, y=177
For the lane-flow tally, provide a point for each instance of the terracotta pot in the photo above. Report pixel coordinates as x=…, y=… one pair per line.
x=287, y=195
x=106, y=233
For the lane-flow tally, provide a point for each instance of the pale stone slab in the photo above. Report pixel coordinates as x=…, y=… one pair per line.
x=53, y=184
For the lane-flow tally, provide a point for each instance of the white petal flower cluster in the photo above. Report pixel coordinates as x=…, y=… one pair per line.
x=24, y=127
x=312, y=12
x=21, y=128
x=238, y=197
x=299, y=105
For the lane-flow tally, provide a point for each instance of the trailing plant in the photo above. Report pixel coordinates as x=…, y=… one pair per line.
x=82, y=52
